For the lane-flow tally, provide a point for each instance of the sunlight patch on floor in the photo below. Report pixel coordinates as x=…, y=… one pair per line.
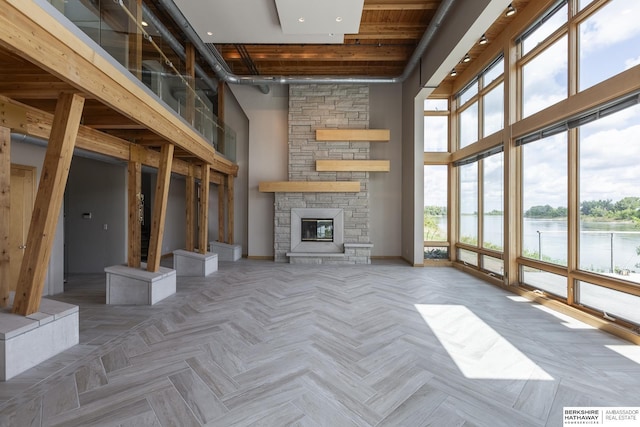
x=631, y=352
x=567, y=321
x=476, y=348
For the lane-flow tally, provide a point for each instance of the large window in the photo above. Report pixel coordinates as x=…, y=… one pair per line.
x=435, y=203
x=566, y=184
x=481, y=105
x=544, y=200
x=609, y=41
x=436, y=125
x=610, y=195
x=468, y=218
x=469, y=125
x=544, y=49
x=492, y=202
x=544, y=78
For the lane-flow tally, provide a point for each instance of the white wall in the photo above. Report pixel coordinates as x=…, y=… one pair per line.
x=268, y=161
x=31, y=155
x=175, y=230
x=267, y=158
x=236, y=118
x=385, y=195
x=99, y=189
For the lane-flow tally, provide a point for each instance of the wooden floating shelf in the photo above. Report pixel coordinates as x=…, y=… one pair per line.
x=309, y=187
x=353, y=165
x=364, y=135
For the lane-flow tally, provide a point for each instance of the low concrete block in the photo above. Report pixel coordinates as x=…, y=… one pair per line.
x=187, y=263
x=226, y=251
x=134, y=286
x=28, y=341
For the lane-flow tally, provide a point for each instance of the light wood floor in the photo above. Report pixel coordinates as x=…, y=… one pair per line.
x=259, y=343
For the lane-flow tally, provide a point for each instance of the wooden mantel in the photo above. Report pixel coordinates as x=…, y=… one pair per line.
x=353, y=165
x=309, y=187
x=362, y=135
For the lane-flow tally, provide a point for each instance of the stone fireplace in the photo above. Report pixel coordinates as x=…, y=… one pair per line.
x=312, y=107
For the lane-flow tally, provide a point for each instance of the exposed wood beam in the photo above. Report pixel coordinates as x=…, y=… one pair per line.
x=160, y=208
x=190, y=201
x=203, y=231
x=31, y=121
x=34, y=90
x=350, y=52
x=217, y=178
x=5, y=214
x=53, y=180
x=400, y=5
x=135, y=204
x=397, y=35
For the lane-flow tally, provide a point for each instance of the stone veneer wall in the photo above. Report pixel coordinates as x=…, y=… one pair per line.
x=311, y=107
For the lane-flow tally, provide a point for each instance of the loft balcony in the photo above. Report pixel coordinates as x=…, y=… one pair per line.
x=138, y=90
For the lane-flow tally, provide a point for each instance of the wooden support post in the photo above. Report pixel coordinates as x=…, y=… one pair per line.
x=203, y=234
x=5, y=214
x=191, y=211
x=190, y=102
x=135, y=39
x=135, y=209
x=230, y=181
x=221, y=217
x=160, y=208
x=44, y=219
x=221, y=133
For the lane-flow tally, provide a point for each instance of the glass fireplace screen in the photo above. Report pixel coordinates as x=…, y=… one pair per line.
x=317, y=230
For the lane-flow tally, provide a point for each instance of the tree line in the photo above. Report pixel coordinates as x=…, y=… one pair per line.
x=626, y=209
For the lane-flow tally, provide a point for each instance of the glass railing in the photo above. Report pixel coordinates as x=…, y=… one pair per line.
x=143, y=45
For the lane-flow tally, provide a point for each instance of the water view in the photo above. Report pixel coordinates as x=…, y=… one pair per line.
x=605, y=247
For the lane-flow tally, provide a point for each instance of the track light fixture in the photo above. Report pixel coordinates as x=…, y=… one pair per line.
x=453, y=73
x=483, y=40
x=510, y=10
x=466, y=58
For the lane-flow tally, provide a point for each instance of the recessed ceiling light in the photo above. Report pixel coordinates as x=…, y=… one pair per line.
x=338, y=18
x=301, y=19
x=209, y=33
x=483, y=40
x=144, y=23
x=453, y=73
x=466, y=58
x=510, y=10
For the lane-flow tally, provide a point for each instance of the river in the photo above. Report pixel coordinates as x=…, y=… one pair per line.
x=549, y=237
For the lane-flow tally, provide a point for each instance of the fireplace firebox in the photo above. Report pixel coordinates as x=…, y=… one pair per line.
x=316, y=230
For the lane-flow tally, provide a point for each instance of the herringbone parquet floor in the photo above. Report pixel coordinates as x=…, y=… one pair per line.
x=264, y=344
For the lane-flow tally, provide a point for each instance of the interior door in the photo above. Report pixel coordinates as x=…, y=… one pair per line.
x=22, y=198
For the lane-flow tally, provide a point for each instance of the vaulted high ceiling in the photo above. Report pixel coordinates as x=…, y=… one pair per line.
x=389, y=32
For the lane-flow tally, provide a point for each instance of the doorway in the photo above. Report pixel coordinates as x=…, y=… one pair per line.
x=23, y=190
